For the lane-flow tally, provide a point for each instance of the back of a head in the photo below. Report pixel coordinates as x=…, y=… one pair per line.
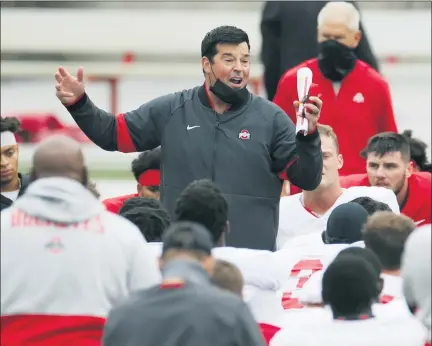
x=186, y=239
x=418, y=151
x=366, y=254
x=371, y=205
x=345, y=223
x=59, y=156
x=203, y=202
x=388, y=142
x=416, y=273
x=386, y=233
x=140, y=202
x=152, y=222
x=349, y=285
x=228, y=277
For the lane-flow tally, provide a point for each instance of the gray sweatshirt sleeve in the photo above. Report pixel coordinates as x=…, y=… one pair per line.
x=138, y=130
x=297, y=157
x=247, y=330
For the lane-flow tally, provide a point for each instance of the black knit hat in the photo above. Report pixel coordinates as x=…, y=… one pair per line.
x=345, y=224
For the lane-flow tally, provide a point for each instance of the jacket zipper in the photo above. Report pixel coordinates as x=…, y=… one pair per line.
x=214, y=149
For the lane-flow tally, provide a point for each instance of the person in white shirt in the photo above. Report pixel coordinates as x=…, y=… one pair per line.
x=416, y=272
x=65, y=260
x=307, y=212
x=351, y=285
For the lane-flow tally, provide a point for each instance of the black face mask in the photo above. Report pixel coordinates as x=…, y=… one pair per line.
x=227, y=94
x=335, y=60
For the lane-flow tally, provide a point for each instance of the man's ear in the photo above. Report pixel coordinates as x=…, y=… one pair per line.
x=380, y=285
x=205, y=64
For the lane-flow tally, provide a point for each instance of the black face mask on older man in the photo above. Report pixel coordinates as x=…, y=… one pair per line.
x=335, y=60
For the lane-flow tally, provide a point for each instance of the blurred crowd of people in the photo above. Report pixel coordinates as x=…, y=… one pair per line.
x=351, y=265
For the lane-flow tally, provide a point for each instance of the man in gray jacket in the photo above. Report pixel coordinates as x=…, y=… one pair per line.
x=220, y=131
x=185, y=309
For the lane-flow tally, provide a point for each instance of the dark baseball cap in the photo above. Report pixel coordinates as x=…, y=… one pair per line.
x=345, y=224
x=185, y=235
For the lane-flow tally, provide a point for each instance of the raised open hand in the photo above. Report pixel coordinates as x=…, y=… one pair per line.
x=69, y=88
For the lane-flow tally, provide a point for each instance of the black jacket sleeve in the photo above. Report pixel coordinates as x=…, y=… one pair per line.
x=247, y=330
x=271, y=46
x=138, y=130
x=298, y=156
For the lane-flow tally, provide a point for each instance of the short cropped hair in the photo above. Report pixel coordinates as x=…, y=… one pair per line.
x=346, y=12
x=350, y=285
x=152, y=222
x=227, y=276
x=326, y=130
x=371, y=205
x=388, y=142
x=222, y=35
x=139, y=202
x=203, y=202
x=150, y=159
x=11, y=124
x=386, y=233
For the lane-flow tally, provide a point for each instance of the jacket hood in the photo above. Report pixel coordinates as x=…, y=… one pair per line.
x=60, y=200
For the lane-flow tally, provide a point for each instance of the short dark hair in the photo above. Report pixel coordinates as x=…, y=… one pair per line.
x=364, y=253
x=150, y=159
x=228, y=277
x=349, y=285
x=418, y=151
x=11, y=124
x=386, y=233
x=139, y=202
x=371, y=205
x=222, y=35
x=387, y=142
x=203, y=202
x=150, y=221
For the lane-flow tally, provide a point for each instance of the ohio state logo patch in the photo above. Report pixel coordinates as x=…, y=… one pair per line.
x=244, y=134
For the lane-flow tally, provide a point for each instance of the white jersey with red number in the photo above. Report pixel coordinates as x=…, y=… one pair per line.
x=285, y=273
x=251, y=263
x=311, y=292
x=397, y=331
x=295, y=220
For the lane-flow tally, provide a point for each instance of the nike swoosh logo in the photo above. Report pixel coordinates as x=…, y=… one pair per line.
x=419, y=222
x=191, y=127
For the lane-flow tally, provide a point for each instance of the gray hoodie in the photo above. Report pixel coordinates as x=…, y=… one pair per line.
x=60, y=200
x=63, y=254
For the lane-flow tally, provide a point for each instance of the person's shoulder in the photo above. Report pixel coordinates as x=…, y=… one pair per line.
x=288, y=201
x=423, y=179
x=354, y=180
x=113, y=204
x=368, y=72
x=291, y=74
x=266, y=107
x=120, y=228
x=173, y=100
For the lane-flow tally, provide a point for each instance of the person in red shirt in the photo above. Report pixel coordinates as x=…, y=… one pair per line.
x=146, y=170
x=356, y=98
x=388, y=164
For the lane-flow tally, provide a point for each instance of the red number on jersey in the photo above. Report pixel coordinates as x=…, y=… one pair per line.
x=289, y=302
